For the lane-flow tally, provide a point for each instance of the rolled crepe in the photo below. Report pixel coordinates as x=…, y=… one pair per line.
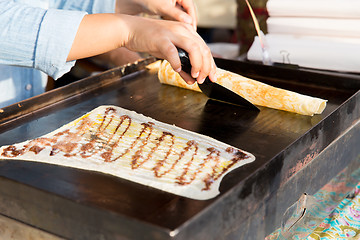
x=257, y=93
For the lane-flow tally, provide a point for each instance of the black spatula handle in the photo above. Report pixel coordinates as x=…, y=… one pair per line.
x=185, y=61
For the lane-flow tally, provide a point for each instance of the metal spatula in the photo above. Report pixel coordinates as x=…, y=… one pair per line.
x=213, y=90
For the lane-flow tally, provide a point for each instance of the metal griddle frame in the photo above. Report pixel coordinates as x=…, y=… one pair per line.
x=253, y=199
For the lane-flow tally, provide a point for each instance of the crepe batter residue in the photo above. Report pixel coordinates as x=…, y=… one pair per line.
x=104, y=143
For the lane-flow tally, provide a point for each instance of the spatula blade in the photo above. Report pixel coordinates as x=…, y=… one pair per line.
x=213, y=90
x=217, y=92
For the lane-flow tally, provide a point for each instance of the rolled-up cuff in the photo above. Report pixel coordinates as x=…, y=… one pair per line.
x=56, y=35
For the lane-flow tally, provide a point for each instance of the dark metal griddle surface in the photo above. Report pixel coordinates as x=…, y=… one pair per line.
x=65, y=200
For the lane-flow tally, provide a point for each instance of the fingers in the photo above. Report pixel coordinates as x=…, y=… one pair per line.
x=172, y=57
x=206, y=65
x=170, y=53
x=202, y=62
x=180, y=15
x=201, y=59
x=189, y=8
x=212, y=74
x=183, y=11
x=185, y=37
x=160, y=38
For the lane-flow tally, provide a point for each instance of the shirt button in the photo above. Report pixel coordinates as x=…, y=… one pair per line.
x=28, y=87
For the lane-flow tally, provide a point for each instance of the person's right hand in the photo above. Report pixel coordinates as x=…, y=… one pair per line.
x=160, y=38
x=99, y=33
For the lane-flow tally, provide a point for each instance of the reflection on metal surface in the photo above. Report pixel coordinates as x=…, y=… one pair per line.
x=286, y=122
x=238, y=120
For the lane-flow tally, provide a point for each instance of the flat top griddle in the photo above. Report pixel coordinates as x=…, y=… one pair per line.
x=265, y=134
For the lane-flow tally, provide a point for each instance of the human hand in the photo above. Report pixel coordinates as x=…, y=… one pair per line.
x=160, y=38
x=179, y=10
x=100, y=33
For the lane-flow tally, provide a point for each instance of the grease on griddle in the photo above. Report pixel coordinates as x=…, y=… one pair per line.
x=104, y=141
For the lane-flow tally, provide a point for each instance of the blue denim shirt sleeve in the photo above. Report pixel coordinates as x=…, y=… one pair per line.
x=54, y=40
x=42, y=38
x=90, y=6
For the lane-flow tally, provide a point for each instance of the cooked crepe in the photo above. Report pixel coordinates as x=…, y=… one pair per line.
x=128, y=145
x=257, y=93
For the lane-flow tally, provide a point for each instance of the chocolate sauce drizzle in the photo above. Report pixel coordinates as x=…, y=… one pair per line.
x=185, y=164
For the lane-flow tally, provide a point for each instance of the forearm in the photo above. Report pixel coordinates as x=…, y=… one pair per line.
x=97, y=34
x=118, y=57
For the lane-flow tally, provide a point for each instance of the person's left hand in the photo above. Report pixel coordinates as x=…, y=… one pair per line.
x=179, y=10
